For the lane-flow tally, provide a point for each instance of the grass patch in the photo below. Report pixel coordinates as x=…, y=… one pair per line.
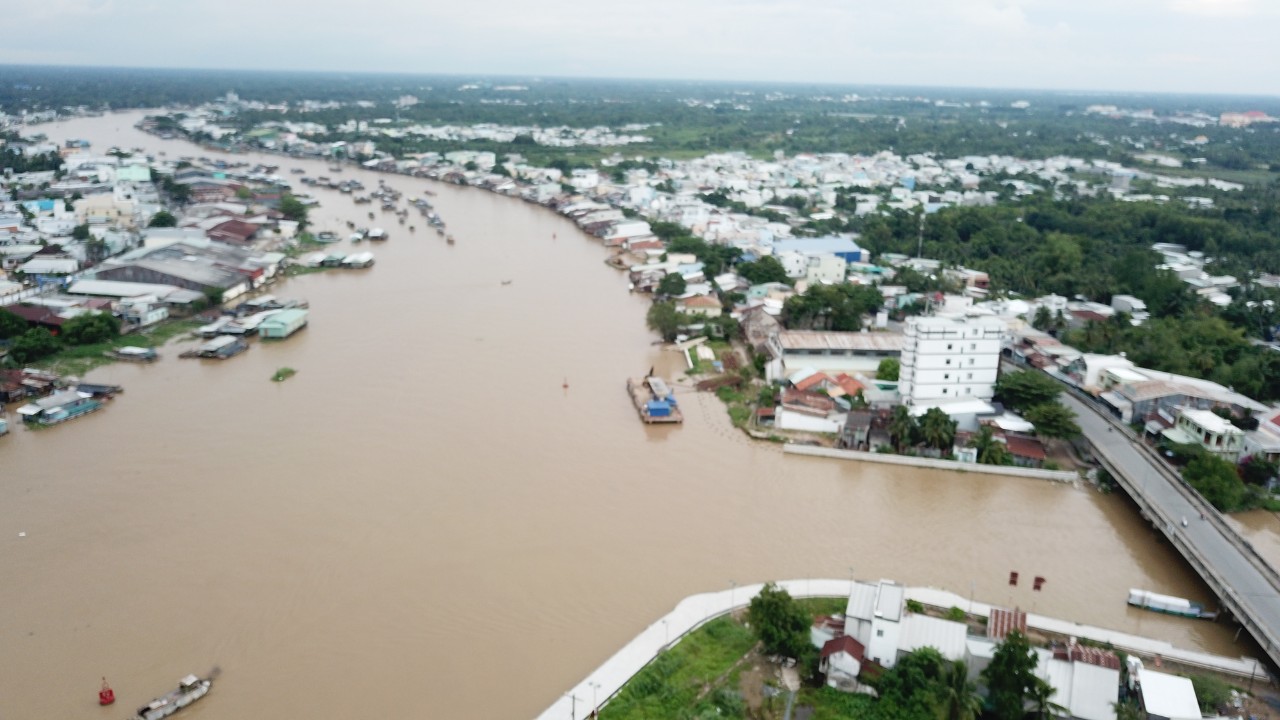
x=80, y=359
x=669, y=686
x=831, y=704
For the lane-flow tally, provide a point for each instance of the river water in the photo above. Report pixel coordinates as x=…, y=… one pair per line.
x=424, y=522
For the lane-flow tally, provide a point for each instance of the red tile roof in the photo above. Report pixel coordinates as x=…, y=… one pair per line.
x=1002, y=622
x=1024, y=447
x=844, y=643
x=849, y=385
x=808, y=402
x=813, y=381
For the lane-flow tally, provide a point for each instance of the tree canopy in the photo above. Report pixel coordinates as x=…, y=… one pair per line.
x=831, y=307
x=11, y=325
x=1053, y=420
x=664, y=319
x=1024, y=389
x=765, y=270
x=781, y=625
x=1011, y=678
x=90, y=328
x=163, y=219
x=888, y=369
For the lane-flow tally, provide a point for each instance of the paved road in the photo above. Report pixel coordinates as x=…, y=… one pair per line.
x=1228, y=567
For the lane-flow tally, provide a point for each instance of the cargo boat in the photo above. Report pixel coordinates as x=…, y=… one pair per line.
x=190, y=689
x=1169, y=605
x=654, y=400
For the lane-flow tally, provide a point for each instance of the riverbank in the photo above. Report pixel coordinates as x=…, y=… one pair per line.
x=555, y=501
x=697, y=611
x=80, y=359
x=931, y=463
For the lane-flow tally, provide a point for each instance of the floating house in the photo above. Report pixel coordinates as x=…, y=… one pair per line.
x=219, y=348
x=58, y=408
x=358, y=260
x=283, y=324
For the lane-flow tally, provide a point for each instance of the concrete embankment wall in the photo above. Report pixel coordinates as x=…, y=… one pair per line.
x=931, y=463
x=696, y=610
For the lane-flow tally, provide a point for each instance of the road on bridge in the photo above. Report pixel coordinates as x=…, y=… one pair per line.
x=1252, y=588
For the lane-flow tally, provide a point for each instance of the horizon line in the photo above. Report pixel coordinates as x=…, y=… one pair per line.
x=635, y=79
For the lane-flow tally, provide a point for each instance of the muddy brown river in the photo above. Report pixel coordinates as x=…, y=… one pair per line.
x=424, y=523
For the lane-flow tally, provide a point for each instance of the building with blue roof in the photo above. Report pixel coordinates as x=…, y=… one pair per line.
x=842, y=247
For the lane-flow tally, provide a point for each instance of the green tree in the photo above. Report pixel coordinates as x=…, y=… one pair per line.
x=1010, y=678
x=990, y=450
x=888, y=369
x=11, y=325
x=80, y=232
x=672, y=285
x=831, y=307
x=1041, y=699
x=765, y=270
x=915, y=688
x=937, y=429
x=779, y=622
x=293, y=209
x=1053, y=420
x=960, y=700
x=1023, y=389
x=163, y=219
x=34, y=344
x=1255, y=470
x=1216, y=480
x=89, y=329
x=1043, y=319
x=902, y=428
x=664, y=319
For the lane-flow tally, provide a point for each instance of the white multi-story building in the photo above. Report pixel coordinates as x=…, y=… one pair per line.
x=950, y=358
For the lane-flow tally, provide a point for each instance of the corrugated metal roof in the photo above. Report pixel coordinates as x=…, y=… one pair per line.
x=1168, y=696
x=921, y=631
x=862, y=601
x=813, y=340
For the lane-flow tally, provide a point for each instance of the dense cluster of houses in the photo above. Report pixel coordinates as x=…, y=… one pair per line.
x=90, y=221
x=877, y=629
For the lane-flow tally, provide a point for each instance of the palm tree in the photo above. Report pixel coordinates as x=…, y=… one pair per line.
x=1040, y=694
x=902, y=427
x=990, y=450
x=960, y=699
x=937, y=429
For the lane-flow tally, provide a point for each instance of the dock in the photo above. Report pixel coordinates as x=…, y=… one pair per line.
x=654, y=400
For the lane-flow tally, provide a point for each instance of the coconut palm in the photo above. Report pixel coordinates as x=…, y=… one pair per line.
x=902, y=427
x=990, y=450
x=1040, y=693
x=937, y=429
x=960, y=699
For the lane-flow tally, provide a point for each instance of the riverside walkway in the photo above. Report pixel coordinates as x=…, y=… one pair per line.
x=696, y=610
x=1245, y=584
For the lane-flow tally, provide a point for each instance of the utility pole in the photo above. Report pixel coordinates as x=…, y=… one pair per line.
x=920, y=241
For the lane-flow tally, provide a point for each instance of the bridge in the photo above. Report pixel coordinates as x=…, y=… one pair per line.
x=1246, y=585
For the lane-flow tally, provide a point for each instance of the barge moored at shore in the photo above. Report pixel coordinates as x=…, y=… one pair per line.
x=654, y=400
x=1169, y=605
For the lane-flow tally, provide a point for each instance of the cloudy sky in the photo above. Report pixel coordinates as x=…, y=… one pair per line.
x=1225, y=46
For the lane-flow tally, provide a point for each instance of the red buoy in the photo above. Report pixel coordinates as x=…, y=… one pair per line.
x=106, y=695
